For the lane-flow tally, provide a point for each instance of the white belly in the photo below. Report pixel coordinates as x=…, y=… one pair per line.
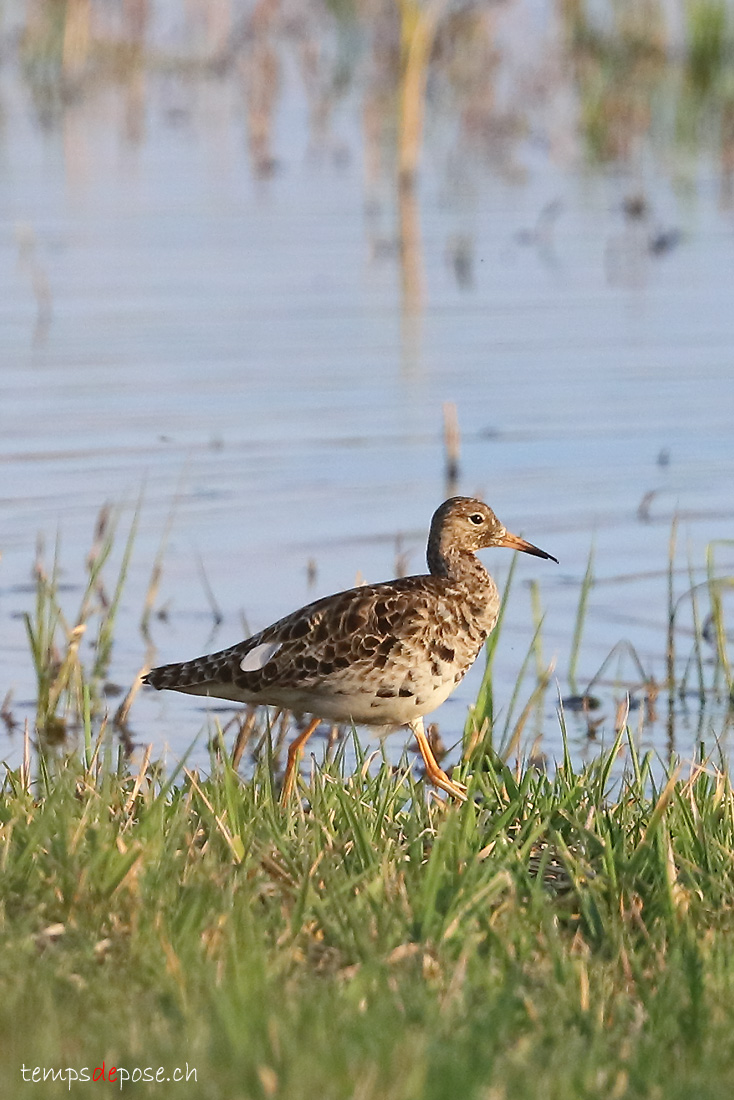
x=363, y=707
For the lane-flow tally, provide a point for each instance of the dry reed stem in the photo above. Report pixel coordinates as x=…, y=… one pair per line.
x=225, y=832
x=121, y=714
x=77, y=36
x=418, y=24
x=244, y=735
x=26, y=769
x=138, y=780
x=452, y=446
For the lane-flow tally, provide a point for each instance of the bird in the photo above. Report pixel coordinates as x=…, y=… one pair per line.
x=382, y=654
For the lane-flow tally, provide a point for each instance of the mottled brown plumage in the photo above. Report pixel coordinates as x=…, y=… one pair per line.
x=382, y=654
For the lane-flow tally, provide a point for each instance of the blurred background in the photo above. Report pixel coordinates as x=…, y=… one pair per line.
x=279, y=276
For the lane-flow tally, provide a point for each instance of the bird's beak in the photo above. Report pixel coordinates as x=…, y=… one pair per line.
x=514, y=542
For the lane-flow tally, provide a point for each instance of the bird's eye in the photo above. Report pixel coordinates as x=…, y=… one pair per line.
x=477, y=518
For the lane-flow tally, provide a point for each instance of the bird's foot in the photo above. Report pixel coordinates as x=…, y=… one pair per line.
x=438, y=778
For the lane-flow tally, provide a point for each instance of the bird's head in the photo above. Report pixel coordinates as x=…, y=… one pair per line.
x=467, y=524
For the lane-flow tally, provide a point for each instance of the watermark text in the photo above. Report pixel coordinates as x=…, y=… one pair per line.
x=113, y=1075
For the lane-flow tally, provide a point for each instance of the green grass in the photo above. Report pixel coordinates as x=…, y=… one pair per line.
x=375, y=944
x=559, y=936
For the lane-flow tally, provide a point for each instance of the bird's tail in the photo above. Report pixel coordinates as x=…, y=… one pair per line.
x=191, y=676
x=176, y=676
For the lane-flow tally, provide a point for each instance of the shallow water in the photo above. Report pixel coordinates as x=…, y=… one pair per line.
x=253, y=347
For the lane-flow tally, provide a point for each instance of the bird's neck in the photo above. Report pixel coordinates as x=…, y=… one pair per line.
x=460, y=567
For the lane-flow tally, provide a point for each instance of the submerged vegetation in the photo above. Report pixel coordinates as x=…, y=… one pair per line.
x=563, y=934
x=623, y=85
x=628, y=62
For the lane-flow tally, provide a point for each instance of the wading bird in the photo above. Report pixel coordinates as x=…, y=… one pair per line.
x=380, y=655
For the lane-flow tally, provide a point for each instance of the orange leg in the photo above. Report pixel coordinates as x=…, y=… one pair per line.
x=294, y=751
x=434, y=772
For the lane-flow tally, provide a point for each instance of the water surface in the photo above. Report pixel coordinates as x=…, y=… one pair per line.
x=255, y=346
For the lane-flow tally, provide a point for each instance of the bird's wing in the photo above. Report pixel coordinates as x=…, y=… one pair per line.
x=360, y=625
